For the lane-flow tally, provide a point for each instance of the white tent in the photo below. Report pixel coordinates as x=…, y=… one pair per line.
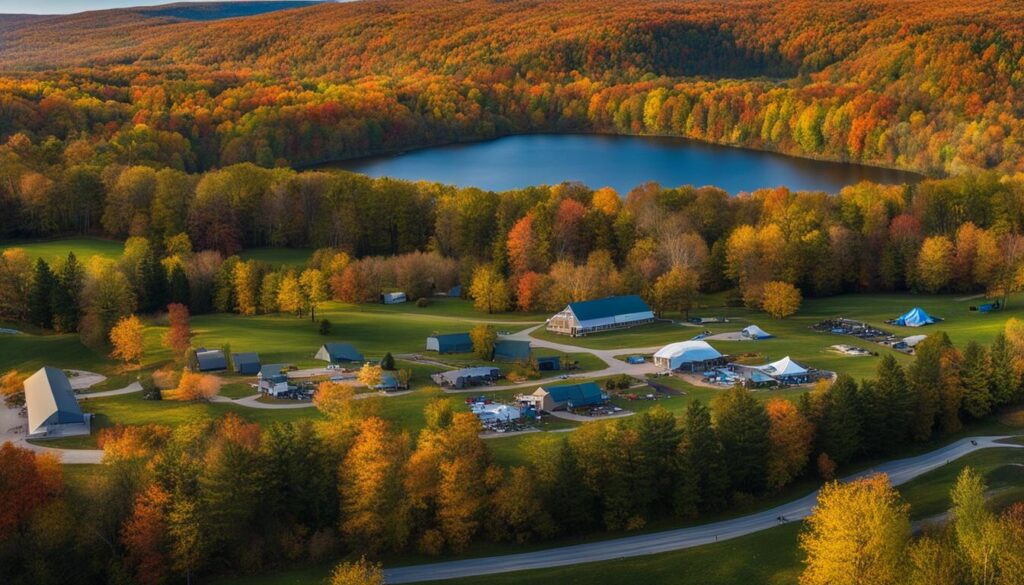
x=755, y=332
x=783, y=367
x=914, y=340
x=676, y=355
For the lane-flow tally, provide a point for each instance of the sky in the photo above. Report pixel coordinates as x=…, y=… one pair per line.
x=69, y=6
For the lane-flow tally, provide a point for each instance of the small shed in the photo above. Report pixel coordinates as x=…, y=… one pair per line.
x=209, y=360
x=569, y=396
x=465, y=377
x=246, y=363
x=338, y=351
x=510, y=350
x=450, y=343
x=52, y=407
x=393, y=298
x=549, y=363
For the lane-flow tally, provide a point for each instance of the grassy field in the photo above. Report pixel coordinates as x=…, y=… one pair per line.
x=84, y=248
x=297, y=257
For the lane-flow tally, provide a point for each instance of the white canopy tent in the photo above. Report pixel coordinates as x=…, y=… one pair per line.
x=783, y=368
x=754, y=332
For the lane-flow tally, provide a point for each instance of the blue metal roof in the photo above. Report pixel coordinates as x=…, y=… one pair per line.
x=341, y=351
x=246, y=362
x=511, y=350
x=454, y=342
x=585, y=394
x=608, y=307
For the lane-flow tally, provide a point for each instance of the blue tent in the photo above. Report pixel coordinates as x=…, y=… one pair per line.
x=915, y=317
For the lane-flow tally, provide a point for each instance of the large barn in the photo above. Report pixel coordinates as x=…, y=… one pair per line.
x=52, y=407
x=338, y=351
x=601, y=315
x=692, y=356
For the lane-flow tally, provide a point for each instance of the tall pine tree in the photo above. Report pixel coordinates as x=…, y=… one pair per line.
x=741, y=424
x=925, y=378
x=67, y=304
x=1003, y=381
x=841, y=428
x=704, y=481
x=976, y=376
x=40, y=296
x=178, y=286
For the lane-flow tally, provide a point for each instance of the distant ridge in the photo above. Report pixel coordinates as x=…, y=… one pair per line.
x=222, y=10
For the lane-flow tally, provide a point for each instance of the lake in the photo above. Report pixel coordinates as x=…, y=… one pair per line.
x=620, y=162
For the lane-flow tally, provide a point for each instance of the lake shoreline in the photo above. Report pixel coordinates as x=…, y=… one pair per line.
x=779, y=169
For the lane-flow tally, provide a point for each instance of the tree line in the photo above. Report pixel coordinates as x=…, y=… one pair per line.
x=216, y=496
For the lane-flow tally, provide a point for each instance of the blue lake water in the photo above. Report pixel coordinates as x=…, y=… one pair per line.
x=620, y=162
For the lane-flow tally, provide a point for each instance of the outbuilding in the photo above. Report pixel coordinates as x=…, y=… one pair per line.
x=783, y=371
x=52, y=407
x=511, y=350
x=246, y=363
x=754, y=332
x=455, y=291
x=450, y=343
x=467, y=377
x=549, y=363
x=691, y=356
x=601, y=315
x=338, y=351
x=209, y=360
x=569, y=396
x=393, y=298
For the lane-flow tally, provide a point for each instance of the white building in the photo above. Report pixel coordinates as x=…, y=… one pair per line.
x=393, y=298
x=601, y=315
x=693, y=356
x=52, y=407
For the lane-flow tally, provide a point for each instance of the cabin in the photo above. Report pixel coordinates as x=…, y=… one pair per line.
x=566, y=397
x=450, y=343
x=510, y=350
x=338, y=352
x=689, y=356
x=208, y=360
x=246, y=363
x=393, y=298
x=604, y=314
x=53, y=410
x=467, y=377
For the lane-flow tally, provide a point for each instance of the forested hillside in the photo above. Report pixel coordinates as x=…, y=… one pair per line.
x=915, y=84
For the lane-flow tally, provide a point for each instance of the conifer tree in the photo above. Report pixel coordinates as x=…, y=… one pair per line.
x=40, y=296
x=976, y=375
x=841, y=432
x=1003, y=381
x=704, y=484
x=67, y=295
x=178, y=287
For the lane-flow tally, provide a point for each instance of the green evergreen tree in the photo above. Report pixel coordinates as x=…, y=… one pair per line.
x=875, y=422
x=152, y=293
x=1003, y=382
x=67, y=304
x=659, y=439
x=924, y=377
x=388, y=362
x=741, y=425
x=976, y=376
x=224, y=286
x=571, y=501
x=704, y=480
x=40, y=296
x=841, y=429
x=178, y=286
x=895, y=405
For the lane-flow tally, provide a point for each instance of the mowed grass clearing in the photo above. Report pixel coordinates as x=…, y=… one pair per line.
x=84, y=248
x=290, y=257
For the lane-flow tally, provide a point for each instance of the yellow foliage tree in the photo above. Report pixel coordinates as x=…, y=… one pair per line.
x=489, y=290
x=361, y=572
x=856, y=535
x=194, y=387
x=935, y=264
x=790, y=438
x=370, y=375
x=126, y=338
x=780, y=299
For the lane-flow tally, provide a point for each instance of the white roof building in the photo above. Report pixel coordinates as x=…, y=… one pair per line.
x=686, y=355
x=52, y=406
x=754, y=332
x=783, y=368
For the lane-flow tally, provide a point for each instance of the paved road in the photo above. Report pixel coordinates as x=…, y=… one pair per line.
x=899, y=471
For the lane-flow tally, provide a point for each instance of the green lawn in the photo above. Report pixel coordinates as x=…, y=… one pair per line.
x=461, y=309
x=297, y=257
x=28, y=352
x=84, y=248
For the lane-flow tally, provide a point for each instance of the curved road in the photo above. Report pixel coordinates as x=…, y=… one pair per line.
x=899, y=471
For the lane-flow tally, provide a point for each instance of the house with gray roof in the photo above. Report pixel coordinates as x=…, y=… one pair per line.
x=208, y=360
x=246, y=363
x=450, y=343
x=601, y=315
x=53, y=410
x=467, y=377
